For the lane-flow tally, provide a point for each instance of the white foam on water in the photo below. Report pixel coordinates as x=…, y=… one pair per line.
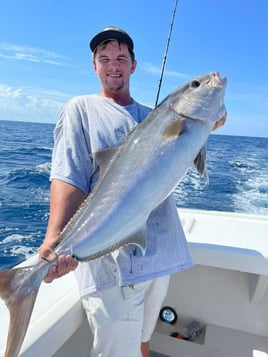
x=252, y=192
x=44, y=168
x=14, y=245
x=27, y=252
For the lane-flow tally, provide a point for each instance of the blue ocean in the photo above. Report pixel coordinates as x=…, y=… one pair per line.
x=238, y=182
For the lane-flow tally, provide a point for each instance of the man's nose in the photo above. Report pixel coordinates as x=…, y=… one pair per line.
x=114, y=63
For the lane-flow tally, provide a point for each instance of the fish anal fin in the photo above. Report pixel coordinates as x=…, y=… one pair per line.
x=139, y=239
x=20, y=304
x=174, y=129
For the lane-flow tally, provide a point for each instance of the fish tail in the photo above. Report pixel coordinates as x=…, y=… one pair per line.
x=19, y=298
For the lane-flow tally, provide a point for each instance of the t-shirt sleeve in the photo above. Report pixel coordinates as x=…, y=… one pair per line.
x=71, y=161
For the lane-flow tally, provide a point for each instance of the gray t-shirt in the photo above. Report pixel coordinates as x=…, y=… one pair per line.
x=91, y=123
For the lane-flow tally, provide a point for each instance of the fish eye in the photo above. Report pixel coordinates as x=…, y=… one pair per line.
x=195, y=84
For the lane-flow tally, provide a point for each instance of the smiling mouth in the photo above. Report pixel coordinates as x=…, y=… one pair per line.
x=114, y=75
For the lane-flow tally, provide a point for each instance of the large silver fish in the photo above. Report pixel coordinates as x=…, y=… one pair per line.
x=134, y=179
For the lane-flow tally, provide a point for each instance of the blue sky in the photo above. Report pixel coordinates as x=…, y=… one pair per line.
x=45, y=58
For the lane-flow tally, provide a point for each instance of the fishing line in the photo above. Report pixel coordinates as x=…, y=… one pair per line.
x=166, y=52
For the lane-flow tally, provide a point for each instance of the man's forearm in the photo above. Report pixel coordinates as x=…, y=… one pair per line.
x=65, y=199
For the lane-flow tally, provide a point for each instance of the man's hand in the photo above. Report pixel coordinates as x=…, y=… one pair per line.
x=220, y=122
x=65, y=264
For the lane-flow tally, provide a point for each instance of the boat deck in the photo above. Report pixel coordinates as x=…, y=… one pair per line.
x=226, y=292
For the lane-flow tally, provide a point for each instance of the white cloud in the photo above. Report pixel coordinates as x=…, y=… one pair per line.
x=30, y=104
x=152, y=69
x=26, y=53
x=9, y=92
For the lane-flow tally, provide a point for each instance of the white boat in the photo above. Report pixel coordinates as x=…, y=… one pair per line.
x=226, y=292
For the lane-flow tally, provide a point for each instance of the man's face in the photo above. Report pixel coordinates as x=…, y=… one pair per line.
x=113, y=65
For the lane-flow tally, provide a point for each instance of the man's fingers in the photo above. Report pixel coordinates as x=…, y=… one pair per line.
x=65, y=264
x=51, y=275
x=220, y=122
x=47, y=253
x=62, y=267
x=71, y=262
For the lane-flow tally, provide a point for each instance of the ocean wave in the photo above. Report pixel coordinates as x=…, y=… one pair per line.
x=38, y=175
x=14, y=250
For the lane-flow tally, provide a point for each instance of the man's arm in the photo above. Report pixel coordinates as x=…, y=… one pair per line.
x=65, y=199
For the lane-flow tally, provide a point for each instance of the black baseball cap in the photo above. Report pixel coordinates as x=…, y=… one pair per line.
x=111, y=33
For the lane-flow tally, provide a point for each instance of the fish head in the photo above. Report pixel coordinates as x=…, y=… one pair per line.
x=202, y=98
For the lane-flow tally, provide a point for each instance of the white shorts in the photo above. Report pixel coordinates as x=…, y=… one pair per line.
x=123, y=317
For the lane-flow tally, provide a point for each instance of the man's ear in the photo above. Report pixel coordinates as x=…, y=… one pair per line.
x=94, y=66
x=133, y=67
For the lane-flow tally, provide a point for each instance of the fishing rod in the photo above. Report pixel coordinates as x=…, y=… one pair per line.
x=166, y=52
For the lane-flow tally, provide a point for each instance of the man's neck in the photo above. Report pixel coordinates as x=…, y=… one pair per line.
x=118, y=98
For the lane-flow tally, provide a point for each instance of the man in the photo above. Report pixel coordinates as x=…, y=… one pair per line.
x=122, y=292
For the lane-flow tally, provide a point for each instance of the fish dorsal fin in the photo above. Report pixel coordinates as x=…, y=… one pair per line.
x=104, y=158
x=174, y=129
x=132, y=131
x=200, y=163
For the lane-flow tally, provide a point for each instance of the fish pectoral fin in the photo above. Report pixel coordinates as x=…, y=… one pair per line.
x=174, y=129
x=200, y=163
x=20, y=304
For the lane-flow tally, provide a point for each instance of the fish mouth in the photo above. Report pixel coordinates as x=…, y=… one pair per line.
x=216, y=81
x=203, y=98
